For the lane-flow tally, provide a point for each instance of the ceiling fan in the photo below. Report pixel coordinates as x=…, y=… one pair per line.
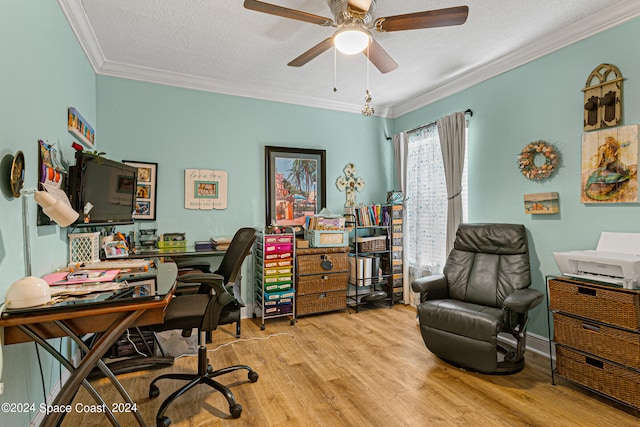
x=354, y=22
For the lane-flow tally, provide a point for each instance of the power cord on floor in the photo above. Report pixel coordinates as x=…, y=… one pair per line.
x=234, y=342
x=249, y=339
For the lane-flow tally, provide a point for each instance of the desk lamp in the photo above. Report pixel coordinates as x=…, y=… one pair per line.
x=31, y=291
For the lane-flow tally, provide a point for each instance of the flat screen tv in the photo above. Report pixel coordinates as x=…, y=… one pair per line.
x=102, y=191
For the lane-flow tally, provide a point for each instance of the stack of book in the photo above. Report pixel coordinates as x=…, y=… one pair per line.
x=221, y=243
x=368, y=215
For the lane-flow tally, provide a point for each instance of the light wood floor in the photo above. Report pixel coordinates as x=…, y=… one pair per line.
x=360, y=369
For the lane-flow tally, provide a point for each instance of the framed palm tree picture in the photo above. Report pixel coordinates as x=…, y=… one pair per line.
x=295, y=184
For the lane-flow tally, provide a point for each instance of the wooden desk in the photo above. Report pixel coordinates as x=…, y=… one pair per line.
x=109, y=316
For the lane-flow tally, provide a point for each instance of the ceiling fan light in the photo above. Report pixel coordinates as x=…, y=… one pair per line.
x=351, y=40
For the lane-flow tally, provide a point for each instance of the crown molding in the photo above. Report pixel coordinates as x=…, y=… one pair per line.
x=610, y=17
x=79, y=22
x=186, y=81
x=604, y=20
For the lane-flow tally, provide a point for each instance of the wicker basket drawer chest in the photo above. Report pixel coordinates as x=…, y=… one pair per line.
x=597, y=336
x=321, y=280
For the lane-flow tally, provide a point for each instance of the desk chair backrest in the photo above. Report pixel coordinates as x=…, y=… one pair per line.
x=488, y=262
x=239, y=248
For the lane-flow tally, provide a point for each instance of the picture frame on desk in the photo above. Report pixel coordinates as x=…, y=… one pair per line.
x=295, y=185
x=146, y=189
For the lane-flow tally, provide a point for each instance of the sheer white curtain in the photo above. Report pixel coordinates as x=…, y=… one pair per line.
x=427, y=202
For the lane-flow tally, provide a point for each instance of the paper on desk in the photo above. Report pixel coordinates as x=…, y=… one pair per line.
x=83, y=289
x=66, y=278
x=627, y=243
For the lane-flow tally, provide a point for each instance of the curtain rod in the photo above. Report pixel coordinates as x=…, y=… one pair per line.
x=467, y=111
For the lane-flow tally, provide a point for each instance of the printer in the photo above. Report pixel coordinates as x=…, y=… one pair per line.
x=616, y=260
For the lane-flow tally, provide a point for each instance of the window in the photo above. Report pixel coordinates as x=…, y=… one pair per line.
x=426, y=203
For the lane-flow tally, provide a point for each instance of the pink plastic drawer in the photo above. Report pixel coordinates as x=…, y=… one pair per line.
x=278, y=248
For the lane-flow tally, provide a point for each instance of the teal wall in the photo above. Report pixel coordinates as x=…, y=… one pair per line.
x=43, y=72
x=185, y=129
x=542, y=100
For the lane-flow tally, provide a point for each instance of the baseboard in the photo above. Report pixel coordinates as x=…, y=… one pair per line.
x=39, y=418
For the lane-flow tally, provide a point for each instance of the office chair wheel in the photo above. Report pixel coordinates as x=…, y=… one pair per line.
x=163, y=422
x=253, y=376
x=235, y=410
x=154, y=391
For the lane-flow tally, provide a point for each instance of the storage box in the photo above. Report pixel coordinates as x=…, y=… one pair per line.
x=84, y=247
x=271, y=248
x=597, y=374
x=172, y=244
x=607, y=304
x=320, y=302
x=276, y=239
x=317, y=283
x=372, y=243
x=321, y=263
x=278, y=309
x=326, y=238
x=614, y=344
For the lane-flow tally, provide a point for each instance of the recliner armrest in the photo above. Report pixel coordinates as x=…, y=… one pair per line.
x=523, y=300
x=431, y=287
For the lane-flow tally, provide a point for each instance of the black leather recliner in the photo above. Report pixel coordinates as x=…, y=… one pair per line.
x=484, y=292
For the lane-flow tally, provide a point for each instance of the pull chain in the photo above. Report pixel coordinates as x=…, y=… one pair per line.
x=335, y=69
x=368, y=109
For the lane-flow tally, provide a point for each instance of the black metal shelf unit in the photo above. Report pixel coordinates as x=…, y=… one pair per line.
x=370, y=265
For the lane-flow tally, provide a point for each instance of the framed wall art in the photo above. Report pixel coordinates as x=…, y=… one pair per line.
x=295, y=184
x=610, y=165
x=146, y=189
x=80, y=128
x=205, y=189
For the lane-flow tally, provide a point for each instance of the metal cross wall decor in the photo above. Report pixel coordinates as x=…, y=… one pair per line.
x=350, y=183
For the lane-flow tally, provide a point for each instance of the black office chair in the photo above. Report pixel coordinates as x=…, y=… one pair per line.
x=205, y=311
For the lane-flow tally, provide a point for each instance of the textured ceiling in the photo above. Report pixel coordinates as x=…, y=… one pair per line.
x=219, y=46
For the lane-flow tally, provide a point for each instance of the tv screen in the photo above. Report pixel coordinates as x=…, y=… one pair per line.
x=102, y=191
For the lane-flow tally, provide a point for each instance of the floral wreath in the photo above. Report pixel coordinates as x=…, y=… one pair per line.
x=526, y=160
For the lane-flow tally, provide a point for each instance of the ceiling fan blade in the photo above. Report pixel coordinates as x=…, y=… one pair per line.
x=285, y=12
x=427, y=19
x=360, y=5
x=321, y=47
x=380, y=58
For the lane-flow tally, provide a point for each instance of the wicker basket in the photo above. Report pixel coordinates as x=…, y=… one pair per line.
x=597, y=374
x=326, y=283
x=372, y=244
x=320, y=302
x=313, y=264
x=606, y=304
x=610, y=343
